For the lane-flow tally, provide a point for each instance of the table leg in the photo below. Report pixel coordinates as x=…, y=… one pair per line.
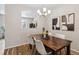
x=68, y=50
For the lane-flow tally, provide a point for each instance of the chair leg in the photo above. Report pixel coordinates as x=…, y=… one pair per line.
x=37, y=53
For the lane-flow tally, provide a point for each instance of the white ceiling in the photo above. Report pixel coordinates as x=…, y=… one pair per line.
x=32, y=8
x=40, y=6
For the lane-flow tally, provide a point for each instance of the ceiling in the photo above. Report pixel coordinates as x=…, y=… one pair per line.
x=40, y=6
x=32, y=8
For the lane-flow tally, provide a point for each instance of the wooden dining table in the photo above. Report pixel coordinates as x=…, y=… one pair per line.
x=55, y=43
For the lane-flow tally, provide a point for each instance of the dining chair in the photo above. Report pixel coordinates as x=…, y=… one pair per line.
x=40, y=47
x=31, y=44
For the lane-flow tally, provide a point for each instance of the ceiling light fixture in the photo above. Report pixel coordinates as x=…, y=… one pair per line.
x=44, y=12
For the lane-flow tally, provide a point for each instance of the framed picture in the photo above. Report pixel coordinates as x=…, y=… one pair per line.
x=68, y=22
x=55, y=24
x=64, y=22
x=32, y=25
x=71, y=22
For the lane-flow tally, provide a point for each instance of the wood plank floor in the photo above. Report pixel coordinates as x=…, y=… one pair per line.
x=22, y=50
x=19, y=50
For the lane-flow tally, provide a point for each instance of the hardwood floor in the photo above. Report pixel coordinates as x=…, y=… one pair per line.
x=24, y=50
x=19, y=50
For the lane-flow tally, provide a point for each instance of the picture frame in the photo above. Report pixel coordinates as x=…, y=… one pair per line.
x=32, y=25
x=55, y=24
x=64, y=22
x=68, y=21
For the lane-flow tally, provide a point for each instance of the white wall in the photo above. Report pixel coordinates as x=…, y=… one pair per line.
x=71, y=35
x=14, y=35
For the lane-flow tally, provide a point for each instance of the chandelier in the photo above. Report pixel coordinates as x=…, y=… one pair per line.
x=43, y=12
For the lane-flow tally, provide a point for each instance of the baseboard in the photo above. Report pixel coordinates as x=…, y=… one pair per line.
x=16, y=45
x=74, y=52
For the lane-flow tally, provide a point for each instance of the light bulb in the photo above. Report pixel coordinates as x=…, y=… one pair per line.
x=49, y=11
x=38, y=11
x=45, y=12
x=44, y=9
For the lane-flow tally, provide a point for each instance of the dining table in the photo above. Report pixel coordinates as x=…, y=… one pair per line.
x=55, y=43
